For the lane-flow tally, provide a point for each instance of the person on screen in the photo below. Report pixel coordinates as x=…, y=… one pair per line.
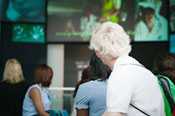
x=111, y=10
x=132, y=89
x=26, y=10
x=151, y=26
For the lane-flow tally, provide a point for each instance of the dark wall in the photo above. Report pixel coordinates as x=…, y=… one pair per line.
x=145, y=52
x=28, y=54
x=1, y=54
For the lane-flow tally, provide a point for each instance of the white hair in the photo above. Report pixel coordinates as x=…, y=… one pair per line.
x=110, y=39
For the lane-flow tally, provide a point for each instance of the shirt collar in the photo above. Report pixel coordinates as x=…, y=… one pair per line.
x=124, y=60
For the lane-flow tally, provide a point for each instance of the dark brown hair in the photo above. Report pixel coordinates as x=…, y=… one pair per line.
x=43, y=75
x=85, y=77
x=96, y=70
x=164, y=64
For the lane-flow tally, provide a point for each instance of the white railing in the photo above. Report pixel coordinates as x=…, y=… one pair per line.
x=62, y=88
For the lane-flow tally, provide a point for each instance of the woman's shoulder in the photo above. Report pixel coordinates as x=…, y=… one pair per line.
x=34, y=87
x=92, y=84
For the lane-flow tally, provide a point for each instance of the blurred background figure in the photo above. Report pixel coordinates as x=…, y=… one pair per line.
x=13, y=88
x=151, y=25
x=164, y=68
x=37, y=100
x=164, y=64
x=111, y=10
x=30, y=10
x=90, y=98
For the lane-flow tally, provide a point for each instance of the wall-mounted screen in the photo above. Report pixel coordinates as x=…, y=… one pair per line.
x=172, y=15
x=172, y=43
x=23, y=10
x=152, y=24
x=73, y=20
x=0, y=10
x=0, y=33
x=28, y=33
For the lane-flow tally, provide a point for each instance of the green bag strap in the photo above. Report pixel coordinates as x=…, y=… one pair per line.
x=172, y=88
x=167, y=108
x=168, y=93
x=170, y=84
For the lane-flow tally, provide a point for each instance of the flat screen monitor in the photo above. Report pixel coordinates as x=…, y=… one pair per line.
x=71, y=20
x=28, y=33
x=0, y=8
x=0, y=32
x=172, y=43
x=74, y=20
x=23, y=10
x=172, y=16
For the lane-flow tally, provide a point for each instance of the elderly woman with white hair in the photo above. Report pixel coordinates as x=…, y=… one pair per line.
x=13, y=89
x=132, y=89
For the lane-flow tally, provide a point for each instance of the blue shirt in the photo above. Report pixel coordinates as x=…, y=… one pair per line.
x=92, y=96
x=28, y=105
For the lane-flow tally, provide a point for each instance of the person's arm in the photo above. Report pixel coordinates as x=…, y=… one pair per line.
x=113, y=114
x=36, y=98
x=82, y=112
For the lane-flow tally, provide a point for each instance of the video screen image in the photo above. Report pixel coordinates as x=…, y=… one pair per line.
x=23, y=10
x=71, y=20
x=1, y=10
x=0, y=32
x=28, y=33
x=74, y=20
x=172, y=15
x=172, y=43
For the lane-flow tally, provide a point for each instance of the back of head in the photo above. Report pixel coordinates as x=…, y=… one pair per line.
x=98, y=69
x=86, y=73
x=13, y=72
x=164, y=61
x=147, y=10
x=95, y=70
x=164, y=64
x=43, y=75
x=110, y=39
x=85, y=77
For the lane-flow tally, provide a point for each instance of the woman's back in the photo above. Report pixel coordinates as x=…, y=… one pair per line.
x=11, y=98
x=92, y=95
x=28, y=105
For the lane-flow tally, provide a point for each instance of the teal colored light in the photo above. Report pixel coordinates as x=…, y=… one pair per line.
x=172, y=43
x=28, y=33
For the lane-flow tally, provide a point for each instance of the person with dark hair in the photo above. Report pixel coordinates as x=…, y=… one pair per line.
x=37, y=99
x=152, y=26
x=13, y=88
x=90, y=99
x=164, y=64
x=84, y=78
x=164, y=68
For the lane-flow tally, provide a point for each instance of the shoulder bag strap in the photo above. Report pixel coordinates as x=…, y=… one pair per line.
x=140, y=110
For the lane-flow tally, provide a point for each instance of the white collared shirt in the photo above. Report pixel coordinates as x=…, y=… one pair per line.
x=131, y=83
